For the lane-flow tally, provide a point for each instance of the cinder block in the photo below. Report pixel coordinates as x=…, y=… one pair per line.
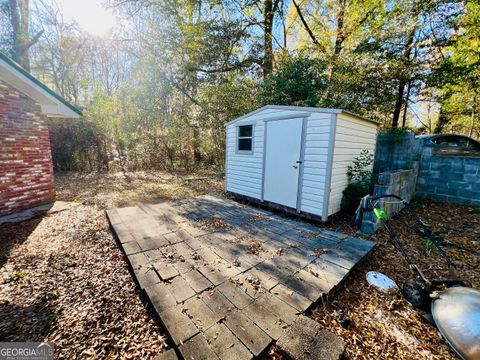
x=450, y=175
x=446, y=191
x=384, y=178
x=380, y=190
x=368, y=227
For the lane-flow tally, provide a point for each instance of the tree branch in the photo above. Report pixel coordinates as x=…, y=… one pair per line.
x=305, y=25
x=242, y=64
x=25, y=46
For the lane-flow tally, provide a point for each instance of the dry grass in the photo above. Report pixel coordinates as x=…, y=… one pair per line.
x=107, y=190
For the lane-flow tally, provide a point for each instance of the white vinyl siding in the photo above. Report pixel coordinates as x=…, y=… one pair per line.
x=315, y=163
x=351, y=137
x=244, y=171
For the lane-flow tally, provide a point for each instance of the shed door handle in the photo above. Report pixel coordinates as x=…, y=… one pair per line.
x=299, y=161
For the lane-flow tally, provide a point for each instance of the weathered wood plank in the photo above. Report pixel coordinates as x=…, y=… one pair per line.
x=278, y=307
x=147, y=276
x=122, y=233
x=218, y=303
x=339, y=257
x=165, y=269
x=197, y=348
x=160, y=297
x=138, y=260
x=149, y=243
x=197, y=281
x=131, y=247
x=180, y=289
x=225, y=344
x=235, y=295
x=356, y=248
x=291, y=297
x=208, y=255
x=276, y=269
x=178, y=324
x=128, y=214
x=266, y=320
x=266, y=280
x=192, y=230
x=200, y=313
x=114, y=217
x=295, y=342
x=249, y=285
x=254, y=338
x=306, y=289
x=173, y=238
x=330, y=273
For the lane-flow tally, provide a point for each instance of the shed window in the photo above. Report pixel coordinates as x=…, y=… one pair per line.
x=245, y=138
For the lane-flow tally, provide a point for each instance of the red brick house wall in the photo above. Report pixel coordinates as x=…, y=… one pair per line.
x=26, y=171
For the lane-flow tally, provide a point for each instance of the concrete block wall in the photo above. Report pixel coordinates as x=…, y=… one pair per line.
x=26, y=172
x=398, y=182
x=454, y=179
x=395, y=152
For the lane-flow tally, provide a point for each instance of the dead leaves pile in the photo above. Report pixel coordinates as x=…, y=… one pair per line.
x=213, y=223
x=255, y=247
x=256, y=218
x=75, y=291
x=376, y=325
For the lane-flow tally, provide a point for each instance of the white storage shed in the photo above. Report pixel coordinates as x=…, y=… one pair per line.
x=295, y=158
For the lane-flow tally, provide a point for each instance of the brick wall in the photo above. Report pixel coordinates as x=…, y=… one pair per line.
x=26, y=173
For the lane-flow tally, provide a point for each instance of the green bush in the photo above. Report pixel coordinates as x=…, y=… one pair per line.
x=360, y=177
x=352, y=195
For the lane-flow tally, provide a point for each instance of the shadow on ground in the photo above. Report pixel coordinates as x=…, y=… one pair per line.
x=30, y=323
x=13, y=235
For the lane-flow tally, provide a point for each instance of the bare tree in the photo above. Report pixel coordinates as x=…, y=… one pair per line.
x=19, y=11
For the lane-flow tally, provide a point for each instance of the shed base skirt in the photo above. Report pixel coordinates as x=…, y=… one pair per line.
x=274, y=206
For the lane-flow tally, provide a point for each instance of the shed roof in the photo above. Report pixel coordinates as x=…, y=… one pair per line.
x=301, y=108
x=52, y=104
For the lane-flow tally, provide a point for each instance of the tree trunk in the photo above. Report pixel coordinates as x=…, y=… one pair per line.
x=403, y=80
x=340, y=38
x=398, y=103
x=268, y=15
x=405, y=107
x=442, y=120
x=197, y=155
x=19, y=19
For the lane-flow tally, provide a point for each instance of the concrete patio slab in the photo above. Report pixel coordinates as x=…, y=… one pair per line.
x=226, y=279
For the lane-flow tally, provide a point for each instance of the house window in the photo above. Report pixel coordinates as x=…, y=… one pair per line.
x=245, y=138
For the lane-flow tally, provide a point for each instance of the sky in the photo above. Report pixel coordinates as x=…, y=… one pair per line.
x=90, y=15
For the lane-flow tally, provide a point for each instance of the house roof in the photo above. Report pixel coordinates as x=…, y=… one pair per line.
x=301, y=108
x=52, y=104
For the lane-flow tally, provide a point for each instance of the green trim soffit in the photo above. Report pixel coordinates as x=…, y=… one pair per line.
x=38, y=82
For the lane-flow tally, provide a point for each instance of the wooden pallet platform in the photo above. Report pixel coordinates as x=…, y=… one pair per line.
x=228, y=280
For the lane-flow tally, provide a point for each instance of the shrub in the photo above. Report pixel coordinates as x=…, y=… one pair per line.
x=360, y=181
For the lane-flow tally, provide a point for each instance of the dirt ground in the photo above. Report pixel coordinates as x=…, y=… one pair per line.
x=64, y=280
x=107, y=190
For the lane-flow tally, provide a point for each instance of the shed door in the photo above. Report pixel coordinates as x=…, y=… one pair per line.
x=282, y=156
